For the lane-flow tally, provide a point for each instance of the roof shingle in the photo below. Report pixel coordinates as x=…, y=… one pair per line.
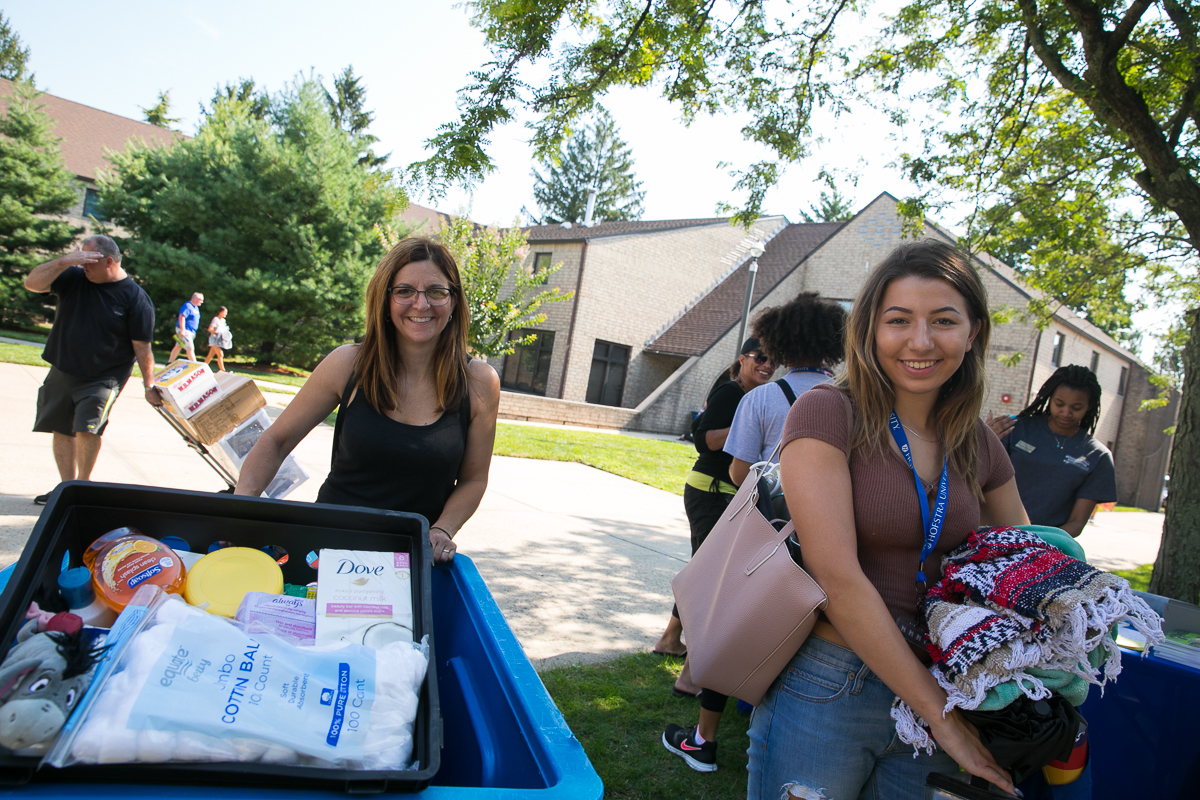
x=718, y=311
x=86, y=132
x=579, y=233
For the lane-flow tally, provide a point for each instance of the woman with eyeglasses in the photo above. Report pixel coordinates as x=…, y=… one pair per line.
x=417, y=416
x=707, y=490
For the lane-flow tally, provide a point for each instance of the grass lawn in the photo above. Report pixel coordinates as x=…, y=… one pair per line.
x=24, y=336
x=1138, y=577
x=618, y=711
x=21, y=354
x=654, y=462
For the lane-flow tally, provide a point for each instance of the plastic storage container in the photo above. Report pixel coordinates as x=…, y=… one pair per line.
x=78, y=512
x=504, y=738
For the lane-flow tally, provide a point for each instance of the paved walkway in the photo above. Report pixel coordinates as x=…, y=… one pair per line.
x=579, y=560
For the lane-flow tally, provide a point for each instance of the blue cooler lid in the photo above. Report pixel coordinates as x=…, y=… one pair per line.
x=76, y=587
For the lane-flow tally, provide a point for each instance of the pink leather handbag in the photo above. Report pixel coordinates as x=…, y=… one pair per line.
x=745, y=604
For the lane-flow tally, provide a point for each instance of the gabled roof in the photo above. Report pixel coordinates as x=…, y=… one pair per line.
x=718, y=311
x=86, y=132
x=580, y=233
x=1062, y=314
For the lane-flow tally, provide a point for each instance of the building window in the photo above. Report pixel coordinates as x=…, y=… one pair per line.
x=606, y=383
x=527, y=368
x=91, y=205
x=1095, y=363
x=541, y=261
x=1121, y=383
x=1056, y=353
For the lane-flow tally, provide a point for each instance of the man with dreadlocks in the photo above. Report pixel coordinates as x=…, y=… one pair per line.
x=1062, y=471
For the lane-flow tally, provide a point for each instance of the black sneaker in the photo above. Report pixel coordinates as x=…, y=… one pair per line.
x=41, y=499
x=682, y=742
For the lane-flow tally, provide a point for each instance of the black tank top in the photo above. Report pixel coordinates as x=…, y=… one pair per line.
x=381, y=463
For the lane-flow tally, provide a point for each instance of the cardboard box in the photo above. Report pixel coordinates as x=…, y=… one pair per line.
x=238, y=400
x=188, y=386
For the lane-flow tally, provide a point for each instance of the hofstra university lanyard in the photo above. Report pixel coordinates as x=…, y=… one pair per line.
x=932, y=521
x=824, y=372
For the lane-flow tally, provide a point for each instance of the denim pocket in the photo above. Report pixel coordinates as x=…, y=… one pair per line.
x=816, y=681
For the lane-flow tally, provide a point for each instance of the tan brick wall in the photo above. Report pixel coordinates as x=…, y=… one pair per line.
x=1143, y=451
x=1077, y=349
x=635, y=284
x=558, y=315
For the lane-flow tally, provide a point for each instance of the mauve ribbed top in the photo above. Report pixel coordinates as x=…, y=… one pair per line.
x=887, y=516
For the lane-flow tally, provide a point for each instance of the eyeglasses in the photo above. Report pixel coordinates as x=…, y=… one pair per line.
x=407, y=295
x=759, y=358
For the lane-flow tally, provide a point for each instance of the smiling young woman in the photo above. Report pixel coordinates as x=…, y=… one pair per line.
x=916, y=346
x=1062, y=470
x=417, y=417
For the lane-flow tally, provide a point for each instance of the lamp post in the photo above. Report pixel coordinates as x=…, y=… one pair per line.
x=755, y=249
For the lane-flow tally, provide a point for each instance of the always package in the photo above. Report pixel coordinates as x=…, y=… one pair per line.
x=364, y=597
x=188, y=686
x=188, y=386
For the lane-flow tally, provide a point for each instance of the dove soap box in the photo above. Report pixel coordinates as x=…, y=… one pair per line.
x=364, y=597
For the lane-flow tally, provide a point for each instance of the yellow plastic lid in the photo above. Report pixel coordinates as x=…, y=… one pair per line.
x=223, y=577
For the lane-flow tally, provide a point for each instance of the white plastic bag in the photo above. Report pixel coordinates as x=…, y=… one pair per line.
x=190, y=686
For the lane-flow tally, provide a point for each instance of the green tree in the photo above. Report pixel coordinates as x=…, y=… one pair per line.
x=595, y=157
x=13, y=57
x=503, y=296
x=34, y=187
x=159, y=113
x=271, y=216
x=346, y=106
x=832, y=207
x=245, y=91
x=1070, y=127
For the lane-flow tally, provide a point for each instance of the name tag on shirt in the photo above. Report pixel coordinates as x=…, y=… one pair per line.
x=1026, y=446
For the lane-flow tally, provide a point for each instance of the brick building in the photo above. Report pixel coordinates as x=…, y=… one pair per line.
x=658, y=305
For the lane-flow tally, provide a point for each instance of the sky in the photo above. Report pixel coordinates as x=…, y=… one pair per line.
x=413, y=58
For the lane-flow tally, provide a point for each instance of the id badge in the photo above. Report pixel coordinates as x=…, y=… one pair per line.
x=914, y=631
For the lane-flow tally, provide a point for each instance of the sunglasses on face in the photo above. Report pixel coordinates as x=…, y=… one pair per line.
x=759, y=358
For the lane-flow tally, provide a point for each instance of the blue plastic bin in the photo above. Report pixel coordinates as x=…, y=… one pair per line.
x=502, y=735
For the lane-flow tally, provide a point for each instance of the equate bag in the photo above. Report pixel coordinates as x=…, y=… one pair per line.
x=130, y=560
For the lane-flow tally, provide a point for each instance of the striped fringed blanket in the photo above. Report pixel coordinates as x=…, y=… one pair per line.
x=1007, y=603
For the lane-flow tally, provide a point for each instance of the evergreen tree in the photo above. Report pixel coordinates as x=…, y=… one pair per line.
x=272, y=216
x=346, y=107
x=258, y=102
x=13, y=57
x=833, y=207
x=596, y=157
x=158, y=114
x=34, y=186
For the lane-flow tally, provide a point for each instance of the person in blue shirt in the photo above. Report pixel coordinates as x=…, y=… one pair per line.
x=186, y=326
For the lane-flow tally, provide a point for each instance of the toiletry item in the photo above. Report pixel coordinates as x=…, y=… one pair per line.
x=223, y=577
x=75, y=585
x=93, y=550
x=291, y=618
x=126, y=562
x=366, y=597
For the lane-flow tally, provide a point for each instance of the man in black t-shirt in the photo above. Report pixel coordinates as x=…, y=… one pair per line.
x=104, y=322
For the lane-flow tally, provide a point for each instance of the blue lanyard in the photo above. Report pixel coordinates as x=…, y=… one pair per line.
x=932, y=527
x=824, y=372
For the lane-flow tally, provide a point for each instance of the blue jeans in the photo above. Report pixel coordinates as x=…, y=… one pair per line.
x=825, y=725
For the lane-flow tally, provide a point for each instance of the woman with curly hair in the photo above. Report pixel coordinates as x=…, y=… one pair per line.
x=1062, y=471
x=805, y=336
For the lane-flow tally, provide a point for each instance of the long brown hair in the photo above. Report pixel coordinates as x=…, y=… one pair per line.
x=378, y=363
x=956, y=413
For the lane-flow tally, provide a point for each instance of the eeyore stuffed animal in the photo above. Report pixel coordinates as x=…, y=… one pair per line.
x=41, y=680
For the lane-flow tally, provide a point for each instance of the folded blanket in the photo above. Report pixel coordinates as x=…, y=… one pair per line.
x=1011, y=610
